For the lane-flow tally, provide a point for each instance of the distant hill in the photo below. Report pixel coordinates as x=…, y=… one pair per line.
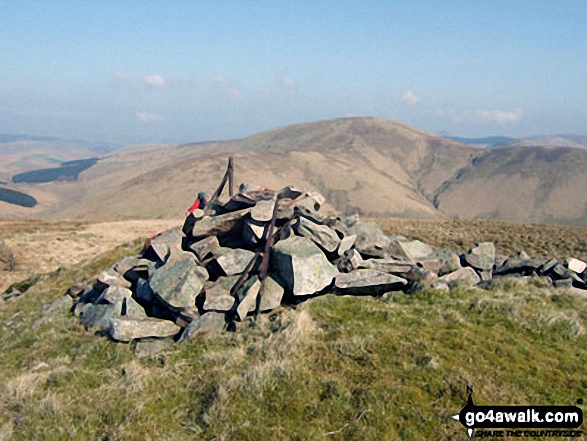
x=371, y=165
x=374, y=166
x=487, y=141
x=23, y=153
x=575, y=141
x=524, y=184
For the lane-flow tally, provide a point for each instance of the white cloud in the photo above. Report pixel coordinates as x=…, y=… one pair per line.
x=234, y=94
x=409, y=97
x=500, y=116
x=289, y=83
x=154, y=81
x=148, y=117
x=119, y=75
x=220, y=80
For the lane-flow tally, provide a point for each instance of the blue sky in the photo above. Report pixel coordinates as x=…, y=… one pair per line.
x=179, y=71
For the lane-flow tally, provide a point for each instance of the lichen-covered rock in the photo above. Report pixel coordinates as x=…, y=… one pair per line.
x=179, y=281
x=370, y=239
x=416, y=250
x=320, y=234
x=218, y=297
x=482, y=256
x=302, y=265
x=209, y=323
x=466, y=276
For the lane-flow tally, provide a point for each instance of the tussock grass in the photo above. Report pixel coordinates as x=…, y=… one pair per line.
x=336, y=368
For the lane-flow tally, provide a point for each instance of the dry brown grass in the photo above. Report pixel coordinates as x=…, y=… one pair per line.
x=41, y=247
x=538, y=240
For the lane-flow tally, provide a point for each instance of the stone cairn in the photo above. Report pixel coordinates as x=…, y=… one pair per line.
x=265, y=249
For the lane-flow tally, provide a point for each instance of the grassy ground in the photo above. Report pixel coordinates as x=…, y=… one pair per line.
x=538, y=240
x=337, y=368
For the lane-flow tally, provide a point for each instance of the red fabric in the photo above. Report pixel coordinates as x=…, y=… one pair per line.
x=195, y=206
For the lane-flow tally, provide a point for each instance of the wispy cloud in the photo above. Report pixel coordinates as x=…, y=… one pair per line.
x=409, y=97
x=232, y=92
x=289, y=83
x=148, y=117
x=220, y=80
x=120, y=75
x=500, y=116
x=154, y=81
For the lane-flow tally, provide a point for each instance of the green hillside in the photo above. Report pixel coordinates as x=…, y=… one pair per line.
x=342, y=368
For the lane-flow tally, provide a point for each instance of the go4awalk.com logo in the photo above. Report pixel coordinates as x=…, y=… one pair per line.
x=520, y=421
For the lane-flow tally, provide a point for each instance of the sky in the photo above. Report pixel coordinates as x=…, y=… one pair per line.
x=186, y=71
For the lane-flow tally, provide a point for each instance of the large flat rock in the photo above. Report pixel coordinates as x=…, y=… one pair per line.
x=370, y=239
x=218, y=297
x=302, y=265
x=124, y=329
x=466, y=276
x=179, y=281
x=218, y=225
x=321, y=234
x=482, y=256
x=367, y=281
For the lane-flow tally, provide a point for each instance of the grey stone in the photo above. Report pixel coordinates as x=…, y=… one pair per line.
x=144, y=292
x=370, y=239
x=203, y=248
x=563, y=283
x=247, y=297
x=467, y=276
x=291, y=192
x=346, y=244
x=150, y=348
x=159, y=246
x=209, y=323
x=320, y=234
x=99, y=315
x=450, y=261
x=285, y=208
x=218, y=297
x=234, y=261
x=309, y=207
x=271, y=293
x=125, y=330
x=302, y=265
x=350, y=260
x=420, y=276
x=521, y=263
x=441, y=286
x=367, y=281
x=485, y=275
x=217, y=225
x=575, y=265
x=132, y=309
x=388, y=265
x=254, y=231
x=114, y=295
x=108, y=278
x=482, y=256
x=263, y=211
x=416, y=250
x=179, y=281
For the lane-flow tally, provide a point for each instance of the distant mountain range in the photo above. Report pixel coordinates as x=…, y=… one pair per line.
x=375, y=166
x=498, y=142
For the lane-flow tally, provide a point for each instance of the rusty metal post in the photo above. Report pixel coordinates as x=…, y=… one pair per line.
x=230, y=172
x=263, y=270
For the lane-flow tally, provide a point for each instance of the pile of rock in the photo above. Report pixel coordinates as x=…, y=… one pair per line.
x=216, y=270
